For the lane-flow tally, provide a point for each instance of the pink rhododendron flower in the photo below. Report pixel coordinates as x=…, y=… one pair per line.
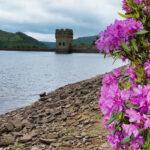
x=147, y=10
x=147, y=68
x=130, y=129
x=114, y=140
x=125, y=6
x=117, y=72
x=116, y=34
x=137, y=142
x=133, y=115
x=138, y=2
x=125, y=95
x=147, y=123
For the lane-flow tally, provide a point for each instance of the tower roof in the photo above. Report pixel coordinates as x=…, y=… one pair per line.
x=64, y=31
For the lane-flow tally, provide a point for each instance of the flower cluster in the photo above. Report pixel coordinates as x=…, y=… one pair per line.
x=126, y=108
x=128, y=8
x=138, y=2
x=147, y=10
x=125, y=93
x=116, y=34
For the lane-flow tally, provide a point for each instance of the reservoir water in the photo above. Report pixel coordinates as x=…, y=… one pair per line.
x=23, y=75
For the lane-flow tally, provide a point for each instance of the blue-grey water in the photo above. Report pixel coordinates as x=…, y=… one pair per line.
x=23, y=75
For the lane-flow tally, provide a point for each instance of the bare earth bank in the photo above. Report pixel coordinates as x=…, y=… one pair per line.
x=66, y=119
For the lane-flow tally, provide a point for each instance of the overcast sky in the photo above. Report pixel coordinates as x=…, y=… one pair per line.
x=40, y=18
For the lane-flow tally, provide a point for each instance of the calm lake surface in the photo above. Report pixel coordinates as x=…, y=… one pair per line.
x=23, y=75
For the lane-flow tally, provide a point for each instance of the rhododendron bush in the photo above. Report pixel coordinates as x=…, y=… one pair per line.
x=125, y=93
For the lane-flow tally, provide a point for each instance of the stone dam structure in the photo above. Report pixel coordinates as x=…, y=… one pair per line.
x=64, y=43
x=64, y=39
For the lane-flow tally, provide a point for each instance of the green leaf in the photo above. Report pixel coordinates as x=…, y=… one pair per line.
x=130, y=105
x=122, y=15
x=126, y=140
x=112, y=119
x=134, y=44
x=142, y=32
x=140, y=74
x=126, y=48
x=18, y=146
x=105, y=55
x=147, y=140
x=125, y=85
x=115, y=116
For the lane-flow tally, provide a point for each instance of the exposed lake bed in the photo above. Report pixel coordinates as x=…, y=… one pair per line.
x=66, y=119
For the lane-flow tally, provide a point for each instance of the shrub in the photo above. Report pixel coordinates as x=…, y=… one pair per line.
x=125, y=93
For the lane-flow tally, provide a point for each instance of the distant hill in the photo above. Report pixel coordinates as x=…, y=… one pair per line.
x=87, y=41
x=50, y=44
x=81, y=41
x=20, y=41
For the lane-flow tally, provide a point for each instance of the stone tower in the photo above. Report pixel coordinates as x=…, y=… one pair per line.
x=64, y=39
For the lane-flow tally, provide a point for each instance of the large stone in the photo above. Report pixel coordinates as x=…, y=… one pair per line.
x=18, y=125
x=68, y=138
x=9, y=126
x=67, y=144
x=52, y=136
x=35, y=148
x=47, y=141
x=50, y=119
x=56, y=145
x=6, y=140
x=43, y=94
x=26, y=138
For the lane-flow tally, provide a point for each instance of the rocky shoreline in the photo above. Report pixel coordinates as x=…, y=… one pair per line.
x=66, y=119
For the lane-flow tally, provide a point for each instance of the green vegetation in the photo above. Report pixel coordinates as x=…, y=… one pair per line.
x=85, y=41
x=82, y=41
x=50, y=44
x=18, y=146
x=19, y=41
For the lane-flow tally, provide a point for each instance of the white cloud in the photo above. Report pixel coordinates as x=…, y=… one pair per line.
x=86, y=17
x=41, y=36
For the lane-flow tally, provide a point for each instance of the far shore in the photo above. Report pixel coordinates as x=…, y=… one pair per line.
x=52, y=50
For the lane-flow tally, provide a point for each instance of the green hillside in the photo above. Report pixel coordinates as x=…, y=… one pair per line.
x=50, y=44
x=85, y=41
x=19, y=41
x=82, y=41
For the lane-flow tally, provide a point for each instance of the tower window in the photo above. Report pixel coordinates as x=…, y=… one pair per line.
x=59, y=43
x=63, y=43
